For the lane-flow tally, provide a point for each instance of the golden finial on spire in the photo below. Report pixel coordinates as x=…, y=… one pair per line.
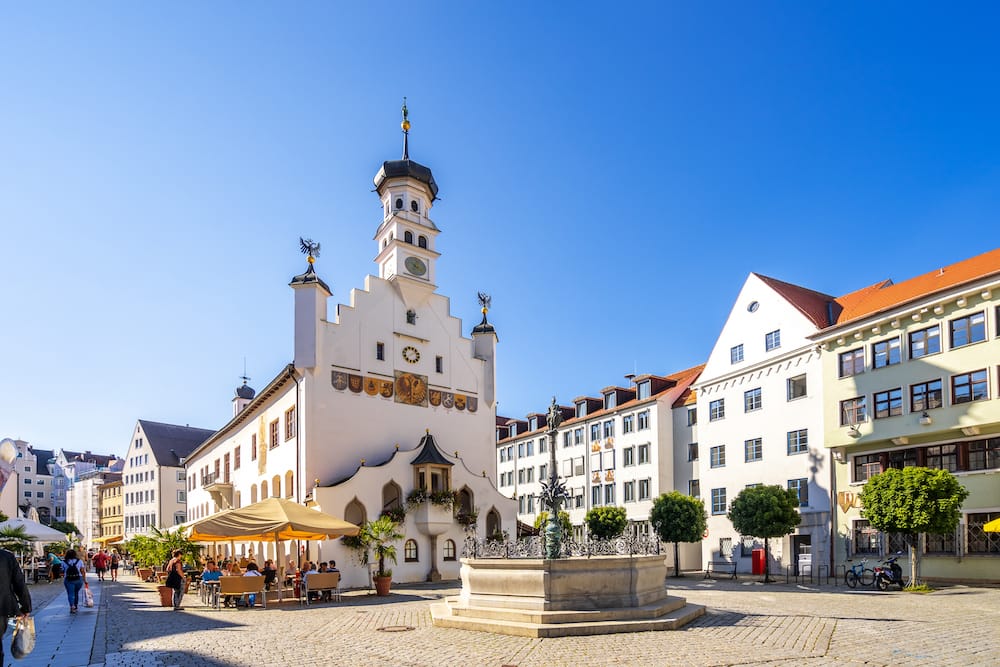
x=406, y=120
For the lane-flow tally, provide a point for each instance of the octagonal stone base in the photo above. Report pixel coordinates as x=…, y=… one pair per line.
x=567, y=596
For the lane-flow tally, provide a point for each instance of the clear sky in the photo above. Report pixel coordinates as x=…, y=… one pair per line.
x=610, y=173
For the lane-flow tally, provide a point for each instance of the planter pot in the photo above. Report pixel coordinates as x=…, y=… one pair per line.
x=166, y=596
x=382, y=585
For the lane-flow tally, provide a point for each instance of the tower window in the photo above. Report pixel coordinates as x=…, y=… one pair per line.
x=399, y=203
x=414, y=206
x=408, y=237
x=380, y=351
x=422, y=241
x=439, y=364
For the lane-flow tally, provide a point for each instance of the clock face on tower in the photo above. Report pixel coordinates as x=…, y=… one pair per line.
x=415, y=266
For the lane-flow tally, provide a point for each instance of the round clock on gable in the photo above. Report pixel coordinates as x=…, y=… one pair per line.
x=415, y=266
x=411, y=355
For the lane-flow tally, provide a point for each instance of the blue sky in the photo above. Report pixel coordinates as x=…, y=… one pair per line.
x=610, y=174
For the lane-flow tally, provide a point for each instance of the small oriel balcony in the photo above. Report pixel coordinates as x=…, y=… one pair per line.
x=221, y=490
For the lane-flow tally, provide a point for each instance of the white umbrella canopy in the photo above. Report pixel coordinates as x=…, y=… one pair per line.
x=37, y=532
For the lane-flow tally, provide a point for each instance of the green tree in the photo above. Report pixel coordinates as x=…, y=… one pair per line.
x=913, y=501
x=678, y=518
x=606, y=522
x=65, y=527
x=564, y=522
x=765, y=511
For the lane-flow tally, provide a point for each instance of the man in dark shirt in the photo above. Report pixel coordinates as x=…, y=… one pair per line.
x=14, y=597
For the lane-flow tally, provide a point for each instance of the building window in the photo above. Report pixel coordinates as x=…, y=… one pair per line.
x=979, y=541
x=595, y=432
x=530, y=448
x=924, y=342
x=969, y=387
x=772, y=341
x=925, y=396
x=609, y=494
x=610, y=400
x=422, y=241
x=578, y=436
x=800, y=486
x=943, y=457
x=798, y=441
x=181, y=497
x=693, y=451
x=717, y=409
x=439, y=364
x=866, y=466
x=628, y=457
x=543, y=445
x=753, y=450
x=692, y=416
x=532, y=423
x=718, y=501
x=694, y=488
x=628, y=492
x=852, y=362
x=581, y=409
x=520, y=450
x=644, y=420
x=290, y=425
x=543, y=471
x=628, y=424
x=643, y=454
x=751, y=400
x=865, y=538
x=273, y=435
x=410, y=551
x=984, y=454
x=644, y=486
x=717, y=456
x=380, y=351
x=888, y=403
x=609, y=429
x=736, y=354
x=941, y=544
x=449, y=550
x=642, y=390
x=253, y=447
x=967, y=330
x=886, y=353
x=796, y=387
x=853, y=411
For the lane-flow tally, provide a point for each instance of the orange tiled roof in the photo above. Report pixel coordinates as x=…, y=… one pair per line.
x=885, y=295
x=810, y=303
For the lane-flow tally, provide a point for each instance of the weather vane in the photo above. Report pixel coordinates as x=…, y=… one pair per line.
x=406, y=131
x=309, y=248
x=484, y=301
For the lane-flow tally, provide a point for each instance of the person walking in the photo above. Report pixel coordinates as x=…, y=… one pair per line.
x=175, y=577
x=100, y=560
x=74, y=578
x=14, y=597
x=113, y=563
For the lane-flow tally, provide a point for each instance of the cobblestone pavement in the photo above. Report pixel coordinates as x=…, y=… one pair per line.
x=746, y=624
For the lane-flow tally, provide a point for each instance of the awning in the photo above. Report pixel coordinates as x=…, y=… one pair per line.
x=272, y=519
x=992, y=526
x=111, y=539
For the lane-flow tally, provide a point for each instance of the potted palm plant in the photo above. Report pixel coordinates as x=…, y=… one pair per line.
x=380, y=535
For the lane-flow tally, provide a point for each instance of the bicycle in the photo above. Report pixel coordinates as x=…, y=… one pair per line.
x=859, y=573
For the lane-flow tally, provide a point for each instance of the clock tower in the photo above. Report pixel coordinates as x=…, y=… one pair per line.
x=407, y=236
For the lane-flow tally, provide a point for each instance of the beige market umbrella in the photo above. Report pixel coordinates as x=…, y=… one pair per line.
x=274, y=519
x=992, y=526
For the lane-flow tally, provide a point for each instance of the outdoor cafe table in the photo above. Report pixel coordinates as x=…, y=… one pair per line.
x=210, y=593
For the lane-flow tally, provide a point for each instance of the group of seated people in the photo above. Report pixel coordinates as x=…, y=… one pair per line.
x=311, y=568
x=213, y=572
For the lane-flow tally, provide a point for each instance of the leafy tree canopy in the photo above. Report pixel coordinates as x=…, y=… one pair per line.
x=678, y=518
x=606, y=521
x=913, y=500
x=765, y=511
x=65, y=527
x=564, y=522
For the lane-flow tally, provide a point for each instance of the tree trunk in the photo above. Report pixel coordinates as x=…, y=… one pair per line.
x=915, y=545
x=767, y=566
x=677, y=560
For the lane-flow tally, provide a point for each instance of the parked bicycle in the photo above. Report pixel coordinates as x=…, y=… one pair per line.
x=858, y=573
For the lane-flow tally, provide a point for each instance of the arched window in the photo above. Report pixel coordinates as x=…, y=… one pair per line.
x=493, y=526
x=465, y=501
x=384, y=243
x=289, y=484
x=355, y=513
x=276, y=486
x=392, y=496
x=263, y=490
x=399, y=203
x=410, y=551
x=408, y=237
x=414, y=206
x=253, y=494
x=449, y=550
x=422, y=241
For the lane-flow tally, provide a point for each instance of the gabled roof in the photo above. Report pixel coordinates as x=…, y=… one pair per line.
x=886, y=295
x=429, y=453
x=814, y=305
x=101, y=460
x=42, y=455
x=170, y=442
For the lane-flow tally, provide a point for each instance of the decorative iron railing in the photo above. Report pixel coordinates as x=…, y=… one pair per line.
x=534, y=547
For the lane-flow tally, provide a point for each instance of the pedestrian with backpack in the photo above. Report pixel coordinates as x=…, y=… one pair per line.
x=74, y=578
x=14, y=597
x=114, y=566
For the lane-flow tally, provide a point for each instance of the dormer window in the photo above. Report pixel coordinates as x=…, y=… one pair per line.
x=422, y=241
x=581, y=409
x=532, y=423
x=399, y=203
x=414, y=206
x=408, y=237
x=610, y=400
x=643, y=390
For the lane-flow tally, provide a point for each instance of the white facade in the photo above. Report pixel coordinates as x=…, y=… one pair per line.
x=761, y=420
x=614, y=450
x=34, y=483
x=340, y=426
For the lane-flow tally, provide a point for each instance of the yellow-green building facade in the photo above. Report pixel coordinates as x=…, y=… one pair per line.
x=911, y=375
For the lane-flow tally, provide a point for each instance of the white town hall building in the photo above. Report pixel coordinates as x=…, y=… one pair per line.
x=345, y=426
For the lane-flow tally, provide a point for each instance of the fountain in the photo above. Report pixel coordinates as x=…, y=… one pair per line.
x=506, y=591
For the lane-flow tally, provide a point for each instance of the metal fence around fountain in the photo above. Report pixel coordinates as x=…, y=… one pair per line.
x=534, y=547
